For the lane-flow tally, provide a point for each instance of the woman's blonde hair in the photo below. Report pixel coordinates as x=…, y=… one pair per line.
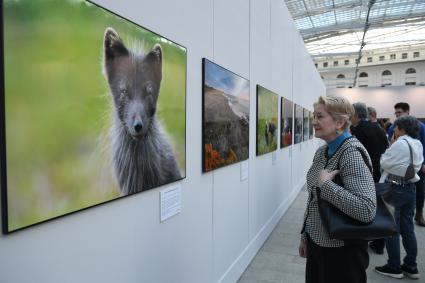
x=338, y=107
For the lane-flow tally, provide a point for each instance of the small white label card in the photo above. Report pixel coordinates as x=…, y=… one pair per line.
x=244, y=170
x=170, y=199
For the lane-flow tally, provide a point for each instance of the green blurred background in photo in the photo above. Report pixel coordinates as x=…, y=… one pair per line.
x=267, y=112
x=58, y=106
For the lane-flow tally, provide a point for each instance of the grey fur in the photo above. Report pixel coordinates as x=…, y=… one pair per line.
x=141, y=154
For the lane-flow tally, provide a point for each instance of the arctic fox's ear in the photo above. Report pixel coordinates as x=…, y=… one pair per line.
x=154, y=58
x=113, y=45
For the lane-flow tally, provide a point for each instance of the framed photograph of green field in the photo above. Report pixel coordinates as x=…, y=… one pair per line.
x=225, y=117
x=298, y=124
x=306, y=117
x=93, y=109
x=267, y=120
x=286, y=120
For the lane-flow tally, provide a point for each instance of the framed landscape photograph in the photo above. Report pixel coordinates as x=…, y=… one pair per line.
x=306, y=132
x=298, y=124
x=225, y=117
x=267, y=120
x=286, y=120
x=86, y=127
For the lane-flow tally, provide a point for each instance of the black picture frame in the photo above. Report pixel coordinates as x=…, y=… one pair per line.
x=310, y=125
x=225, y=117
x=306, y=117
x=298, y=123
x=7, y=226
x=286, y=122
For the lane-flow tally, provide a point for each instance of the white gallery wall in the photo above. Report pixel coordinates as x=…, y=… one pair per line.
x=384, y=98
x=223, y=220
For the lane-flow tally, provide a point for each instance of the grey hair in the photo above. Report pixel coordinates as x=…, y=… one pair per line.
x=409, y=124
x=360, y=110
x=371, y=111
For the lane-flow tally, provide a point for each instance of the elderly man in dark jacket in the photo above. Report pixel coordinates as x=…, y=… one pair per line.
x=370, y=135
x=374, y=139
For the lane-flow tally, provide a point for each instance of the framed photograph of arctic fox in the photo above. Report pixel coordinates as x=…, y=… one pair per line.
x=225, y=117
x=267, y=120
x=93, y=108
x=286, y=119
x=306, y=117
x=298, y=124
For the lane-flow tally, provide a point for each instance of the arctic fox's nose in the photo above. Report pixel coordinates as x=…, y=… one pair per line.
x=138, y=126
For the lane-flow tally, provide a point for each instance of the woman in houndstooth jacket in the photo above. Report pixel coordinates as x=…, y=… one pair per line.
x=331, y=260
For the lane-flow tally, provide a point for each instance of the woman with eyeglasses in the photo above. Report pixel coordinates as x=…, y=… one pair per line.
x=332, y=260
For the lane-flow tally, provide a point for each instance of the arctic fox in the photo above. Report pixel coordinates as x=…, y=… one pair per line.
x=141, y=155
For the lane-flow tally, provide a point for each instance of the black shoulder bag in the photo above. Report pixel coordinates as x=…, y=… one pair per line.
x=341, y=226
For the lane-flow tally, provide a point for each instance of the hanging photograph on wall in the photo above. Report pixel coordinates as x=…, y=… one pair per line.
x=101, y=115
x=310, y=125
x=286, y=119
x=298, y=124
x=306, y=117
x=225, y=117
x=267, y=120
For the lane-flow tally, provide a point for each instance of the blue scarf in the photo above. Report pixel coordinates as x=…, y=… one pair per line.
x=333, y=145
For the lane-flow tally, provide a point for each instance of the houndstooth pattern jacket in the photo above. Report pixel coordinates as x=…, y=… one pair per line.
x=357, y=198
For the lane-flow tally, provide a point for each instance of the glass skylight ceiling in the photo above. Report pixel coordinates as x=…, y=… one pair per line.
x=330, y=27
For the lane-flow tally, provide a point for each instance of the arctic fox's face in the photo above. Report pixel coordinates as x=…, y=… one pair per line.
x=134, y=80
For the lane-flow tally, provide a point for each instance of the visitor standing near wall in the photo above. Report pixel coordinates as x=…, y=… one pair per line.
x=403, y=109
x=374, y=139
x=371, y=115
x=371, y=135
x=405, y=150
x=332, y=260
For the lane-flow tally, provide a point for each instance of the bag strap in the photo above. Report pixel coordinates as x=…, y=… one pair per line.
x=410, y=149
x=365, y=159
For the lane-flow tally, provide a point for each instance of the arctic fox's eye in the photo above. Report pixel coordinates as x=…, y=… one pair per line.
x=149, y=89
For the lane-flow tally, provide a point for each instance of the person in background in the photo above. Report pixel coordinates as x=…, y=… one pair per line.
x=374, y=139
x=387, y=126
x=331, y=260
x=403, y=109
x=371, y=135
x=371, y=115
x=394, y=162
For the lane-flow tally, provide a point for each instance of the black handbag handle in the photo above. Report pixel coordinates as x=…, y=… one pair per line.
x=410, y=149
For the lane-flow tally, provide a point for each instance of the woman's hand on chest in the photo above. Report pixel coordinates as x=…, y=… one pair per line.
x=325, y=175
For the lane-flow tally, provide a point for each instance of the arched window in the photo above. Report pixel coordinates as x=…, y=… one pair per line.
x=340, y=76
x=410, y=77
x=363, y=79
x=386, y=73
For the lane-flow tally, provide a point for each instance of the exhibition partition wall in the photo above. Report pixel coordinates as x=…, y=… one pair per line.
x=218, y=220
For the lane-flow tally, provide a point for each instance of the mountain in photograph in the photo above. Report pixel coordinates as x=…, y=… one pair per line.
x=226, y=128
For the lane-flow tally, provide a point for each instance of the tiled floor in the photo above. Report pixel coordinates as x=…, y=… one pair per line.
x=278, y=260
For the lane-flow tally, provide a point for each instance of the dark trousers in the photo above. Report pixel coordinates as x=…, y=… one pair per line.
x=420, y=188
x=404, y=204
x=345, y=264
